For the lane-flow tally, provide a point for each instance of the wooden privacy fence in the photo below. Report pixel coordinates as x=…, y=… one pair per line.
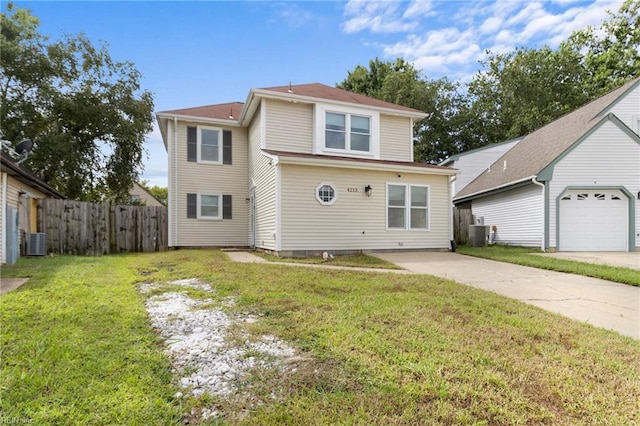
x=462, y=218
x=76, y=227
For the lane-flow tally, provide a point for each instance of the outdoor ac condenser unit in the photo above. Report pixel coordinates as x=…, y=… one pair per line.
x=478, y=235
x=37, y=244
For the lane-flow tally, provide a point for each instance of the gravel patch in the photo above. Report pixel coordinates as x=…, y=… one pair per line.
x=206, y=354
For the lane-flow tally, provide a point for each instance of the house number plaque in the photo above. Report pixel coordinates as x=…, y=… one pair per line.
x=352, y=189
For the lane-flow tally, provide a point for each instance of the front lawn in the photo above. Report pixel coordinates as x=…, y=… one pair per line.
x=526, y=256
x=77, y=348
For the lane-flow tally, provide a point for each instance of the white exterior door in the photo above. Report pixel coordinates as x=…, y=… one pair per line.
x=594, y=220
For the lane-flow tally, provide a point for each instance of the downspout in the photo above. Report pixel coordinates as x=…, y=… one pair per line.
x=175, y=180
x=452, y=179
x=544, y=207
x=5, y=178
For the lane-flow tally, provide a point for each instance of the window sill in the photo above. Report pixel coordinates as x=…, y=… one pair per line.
x=210, y=162
x=345, y=153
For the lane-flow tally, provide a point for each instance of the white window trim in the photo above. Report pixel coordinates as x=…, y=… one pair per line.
x=199, y=144
x=320, y=126
x=407, y=207
x=335, y=194
x=199, y=206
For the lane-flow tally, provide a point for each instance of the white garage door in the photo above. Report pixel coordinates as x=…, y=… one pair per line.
x=594, y=220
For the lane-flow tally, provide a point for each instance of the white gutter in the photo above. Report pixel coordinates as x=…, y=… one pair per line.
x=346, y=164
x=544, y=207
x=5, y=178
x=175, y=180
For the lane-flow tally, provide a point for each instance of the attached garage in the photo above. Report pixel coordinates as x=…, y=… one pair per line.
x=593, y=220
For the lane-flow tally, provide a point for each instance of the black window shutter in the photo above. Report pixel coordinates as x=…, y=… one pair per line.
x=226, y=207
x=192, y=206
x=226, y=147
x=192, y=144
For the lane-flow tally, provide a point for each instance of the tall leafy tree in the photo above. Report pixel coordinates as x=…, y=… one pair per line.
x=86, y=112
x=520, y=91
x=443, y=132
x=612, y=51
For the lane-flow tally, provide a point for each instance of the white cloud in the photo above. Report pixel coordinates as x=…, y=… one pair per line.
x=419, y=8
x=449, y=38
x=292, y=15
x=383, y=16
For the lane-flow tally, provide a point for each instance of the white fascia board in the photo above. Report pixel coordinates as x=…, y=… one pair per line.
x=364, y=166
x=312, y=100
x=271, y=157
x=195, y=118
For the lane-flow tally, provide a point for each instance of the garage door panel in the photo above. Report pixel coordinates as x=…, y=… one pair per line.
x=593, y=220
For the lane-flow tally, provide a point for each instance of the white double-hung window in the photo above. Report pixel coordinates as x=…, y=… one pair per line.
x=209, y=145
x=209, y=206
x=407, y=206
x=347, y=131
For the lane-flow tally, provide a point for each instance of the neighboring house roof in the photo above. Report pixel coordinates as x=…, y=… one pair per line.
x=539, y=149
x=10, y=167
x=456, y=157
x=367, y=163
x=145, y=196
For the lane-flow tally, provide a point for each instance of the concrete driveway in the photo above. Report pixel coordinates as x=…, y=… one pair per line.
x=624, y=259
x=598, y=302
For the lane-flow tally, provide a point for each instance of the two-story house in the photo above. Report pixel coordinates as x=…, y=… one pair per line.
x=303, y=169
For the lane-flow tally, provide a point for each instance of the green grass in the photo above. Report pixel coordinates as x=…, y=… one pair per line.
x=77, y=347
x=527, y=256
x=375, y=349
x=356, y=260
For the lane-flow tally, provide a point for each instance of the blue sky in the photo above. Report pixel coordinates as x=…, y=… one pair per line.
x=208, y=52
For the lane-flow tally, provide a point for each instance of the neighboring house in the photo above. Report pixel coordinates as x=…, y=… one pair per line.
x=18, y=213
x=139, y=194
x=473, y=162
x=572, y=185
x=303, y=169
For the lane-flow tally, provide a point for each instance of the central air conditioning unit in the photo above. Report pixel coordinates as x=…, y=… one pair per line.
x=37, y=244
x=478, y=235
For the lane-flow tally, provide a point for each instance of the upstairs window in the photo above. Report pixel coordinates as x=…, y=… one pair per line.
x=209, y=145
x=347, y=132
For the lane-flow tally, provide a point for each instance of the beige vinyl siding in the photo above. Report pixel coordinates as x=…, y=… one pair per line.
x=627, y=109
x=263, y=176
x=517, y=215
x=355, y=221
x=608, y=157
x=216, y=179
x=395, y=138
x=23, y=204
x=289, y=126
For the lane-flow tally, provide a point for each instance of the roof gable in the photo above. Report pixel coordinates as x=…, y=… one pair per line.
x=322, y=91
x=539, y=149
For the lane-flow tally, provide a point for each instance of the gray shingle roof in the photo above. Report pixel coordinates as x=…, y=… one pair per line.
x=538, y=149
